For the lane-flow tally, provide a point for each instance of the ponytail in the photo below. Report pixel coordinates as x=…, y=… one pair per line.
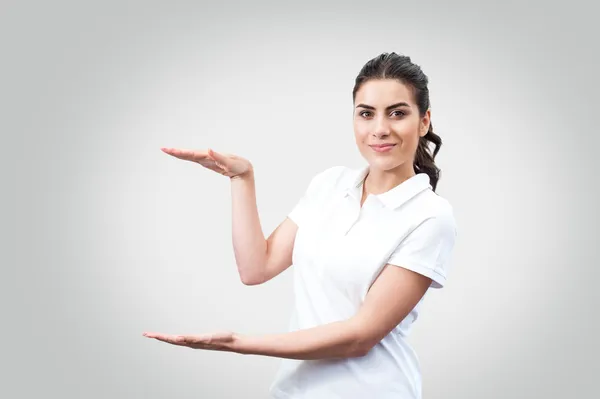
x=424, y=157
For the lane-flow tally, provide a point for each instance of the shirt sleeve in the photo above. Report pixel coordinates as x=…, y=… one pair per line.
x=427, y=250
x=315, y=190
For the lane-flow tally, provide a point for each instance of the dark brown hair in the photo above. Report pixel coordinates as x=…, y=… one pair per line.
x=400, y=67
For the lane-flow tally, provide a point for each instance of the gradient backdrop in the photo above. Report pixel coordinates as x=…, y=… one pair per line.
x=106, y=237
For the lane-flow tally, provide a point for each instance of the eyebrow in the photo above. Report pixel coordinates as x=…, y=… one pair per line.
x=400, y=104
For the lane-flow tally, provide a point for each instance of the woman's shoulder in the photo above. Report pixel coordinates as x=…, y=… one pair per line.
x=433, y=205
x=438, y=203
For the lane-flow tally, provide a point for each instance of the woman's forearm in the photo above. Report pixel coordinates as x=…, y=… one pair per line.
x=249, y=243
x=329, y=341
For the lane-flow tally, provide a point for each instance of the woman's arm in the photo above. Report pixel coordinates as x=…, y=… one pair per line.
x=258, y=259
x=249, y=244
x=329, y=341
x=392, y=296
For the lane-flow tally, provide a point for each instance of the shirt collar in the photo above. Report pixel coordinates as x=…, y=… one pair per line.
x=394, y=197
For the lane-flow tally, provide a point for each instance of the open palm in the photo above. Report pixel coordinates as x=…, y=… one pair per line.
x=229, y=165
x=218, y=341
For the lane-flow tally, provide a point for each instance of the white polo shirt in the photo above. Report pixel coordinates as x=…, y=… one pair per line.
x=340, y=249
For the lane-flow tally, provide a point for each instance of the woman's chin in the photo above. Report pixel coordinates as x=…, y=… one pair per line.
x=384, y=163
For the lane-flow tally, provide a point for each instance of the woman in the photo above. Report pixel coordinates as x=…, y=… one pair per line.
x=366, y=246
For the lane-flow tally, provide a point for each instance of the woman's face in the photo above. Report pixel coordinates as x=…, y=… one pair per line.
x=387, y=124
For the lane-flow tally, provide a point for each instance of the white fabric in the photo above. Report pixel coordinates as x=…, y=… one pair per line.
x=339, y=251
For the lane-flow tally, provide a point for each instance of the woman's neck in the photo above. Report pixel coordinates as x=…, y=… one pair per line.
x=380, y=181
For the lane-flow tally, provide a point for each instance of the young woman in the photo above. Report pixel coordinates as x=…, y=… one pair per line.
x=366, y=245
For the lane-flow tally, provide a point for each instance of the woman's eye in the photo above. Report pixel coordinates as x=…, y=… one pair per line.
x=366, y=114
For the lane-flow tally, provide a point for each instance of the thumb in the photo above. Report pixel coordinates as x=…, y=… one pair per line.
x=219, y=158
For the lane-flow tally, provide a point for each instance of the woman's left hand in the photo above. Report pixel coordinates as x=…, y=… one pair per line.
x=219, y=341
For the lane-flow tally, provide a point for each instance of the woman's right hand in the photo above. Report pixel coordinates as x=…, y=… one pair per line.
x=229, y=165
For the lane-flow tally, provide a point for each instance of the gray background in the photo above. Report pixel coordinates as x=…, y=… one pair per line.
x=106, y=237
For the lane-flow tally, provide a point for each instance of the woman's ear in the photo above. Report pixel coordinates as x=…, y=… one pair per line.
x=425, y=122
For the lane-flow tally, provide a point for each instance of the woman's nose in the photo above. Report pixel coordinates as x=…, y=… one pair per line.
x=381, y=128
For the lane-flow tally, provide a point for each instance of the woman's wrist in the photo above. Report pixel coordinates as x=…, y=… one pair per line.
x=237, y=344
x=248, y=175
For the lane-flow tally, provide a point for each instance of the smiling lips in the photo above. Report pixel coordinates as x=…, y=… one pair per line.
x=382, y=147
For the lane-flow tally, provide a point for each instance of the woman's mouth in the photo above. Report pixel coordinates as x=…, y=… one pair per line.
x=382, y=147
